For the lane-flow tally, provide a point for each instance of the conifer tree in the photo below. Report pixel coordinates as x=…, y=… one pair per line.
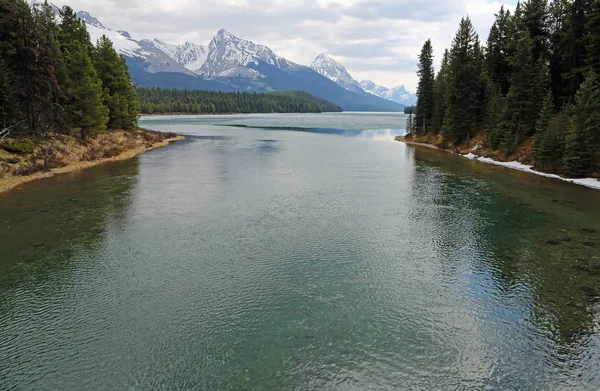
x=410, y=124
x=119, y=93
x=496, y=119
x=85, y=107
x=593, y=39
x=534, y=21
x=574, y=48
x=50, y=70
x=464, y=84
x=9, y=110
x=499, y=50
x=558, y=13
x=541, y=138
x=439, y=98
x=583, y=141
x=425, y=89
x=527, y=86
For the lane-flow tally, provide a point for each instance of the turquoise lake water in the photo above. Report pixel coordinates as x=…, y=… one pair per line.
x=299, y=252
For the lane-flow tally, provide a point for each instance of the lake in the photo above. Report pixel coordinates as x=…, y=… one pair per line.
x=299, y=252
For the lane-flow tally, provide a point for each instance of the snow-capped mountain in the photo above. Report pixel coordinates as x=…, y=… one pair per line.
x=230, y=56
x=397, y=94
x=336, y=72
x=90, y=20
x=191, y=55
x=228, y=63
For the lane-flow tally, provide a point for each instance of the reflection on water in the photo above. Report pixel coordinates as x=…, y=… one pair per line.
x=267, y=259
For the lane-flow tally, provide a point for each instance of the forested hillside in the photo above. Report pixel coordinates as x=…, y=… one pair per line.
x=162, y=101
x=53, y=79
x=532, y=92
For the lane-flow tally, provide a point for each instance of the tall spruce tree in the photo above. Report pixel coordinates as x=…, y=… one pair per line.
x=50, y=70
x=425, y=89
x=119, y=92
x=574, y=48
x=593, y=39
x=558, y=13
x=499, y=50
x=9, y=109
x=465, y=77
x=534, y=21
x=583, y=141
x=525, y=96
x=545, y=146
x=84, y=109
x=440, y=90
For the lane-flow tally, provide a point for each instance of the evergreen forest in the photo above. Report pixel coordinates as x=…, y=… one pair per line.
x=166, y=101
x=53, y=79
x=531, y=91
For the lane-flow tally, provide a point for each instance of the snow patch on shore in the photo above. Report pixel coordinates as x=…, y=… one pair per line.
x=588, y=182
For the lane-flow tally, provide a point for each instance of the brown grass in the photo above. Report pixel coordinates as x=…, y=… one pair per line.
x=61, y=153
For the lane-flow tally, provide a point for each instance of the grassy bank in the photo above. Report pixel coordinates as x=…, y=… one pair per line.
x=26, y=159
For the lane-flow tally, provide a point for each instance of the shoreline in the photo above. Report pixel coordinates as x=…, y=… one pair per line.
x=11, y=181
x=590, y=183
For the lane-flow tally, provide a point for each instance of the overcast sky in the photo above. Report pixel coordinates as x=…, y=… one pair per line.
x=375, y=39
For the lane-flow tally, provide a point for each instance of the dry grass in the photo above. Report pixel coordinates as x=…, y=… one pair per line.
x=61, y=153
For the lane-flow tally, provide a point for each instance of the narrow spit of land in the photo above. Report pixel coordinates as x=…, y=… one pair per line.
x=25, y=160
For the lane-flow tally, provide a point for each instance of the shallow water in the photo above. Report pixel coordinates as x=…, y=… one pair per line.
x=253, y=256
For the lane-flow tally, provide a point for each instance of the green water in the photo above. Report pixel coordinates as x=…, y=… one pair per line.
x=299, y=252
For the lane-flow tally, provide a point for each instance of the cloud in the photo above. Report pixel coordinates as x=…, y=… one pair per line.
x=374, y=39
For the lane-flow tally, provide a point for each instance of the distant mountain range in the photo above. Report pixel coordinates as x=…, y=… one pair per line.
x=397, y=94
x=230, y=63
x=333, y=70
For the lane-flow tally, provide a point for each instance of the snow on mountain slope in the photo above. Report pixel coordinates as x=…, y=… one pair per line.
x=191, y=55
x=230, y=56
x=151, y=57
x=90, y=20
x=397, y=94
x=122, y=44
x=336, y=72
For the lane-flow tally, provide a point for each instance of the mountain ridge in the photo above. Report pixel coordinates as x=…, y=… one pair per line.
x=228, y=63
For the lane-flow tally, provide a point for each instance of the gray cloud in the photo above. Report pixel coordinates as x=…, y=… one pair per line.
x=376, y=39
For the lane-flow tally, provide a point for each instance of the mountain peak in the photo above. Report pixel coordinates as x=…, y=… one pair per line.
x=89, y=19
x=230, y=56
x=225, y=34
x=325, y=65
x=55, y=8
x=398, y=94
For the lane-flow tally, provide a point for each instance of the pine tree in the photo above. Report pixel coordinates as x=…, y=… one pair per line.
x=558, y=13
x=593, y=39
x=50, y=70
x=583, y=141
x=534, y=21
x=9, y=109
x=528, y=83
x=496, y=120
x=464, y=84
x=440, y=90
x=120, y=96
x=574, y=49
x=499, y=50
x=410, y=126
x=425, y=89
x=85, y=108
x=545, y=146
